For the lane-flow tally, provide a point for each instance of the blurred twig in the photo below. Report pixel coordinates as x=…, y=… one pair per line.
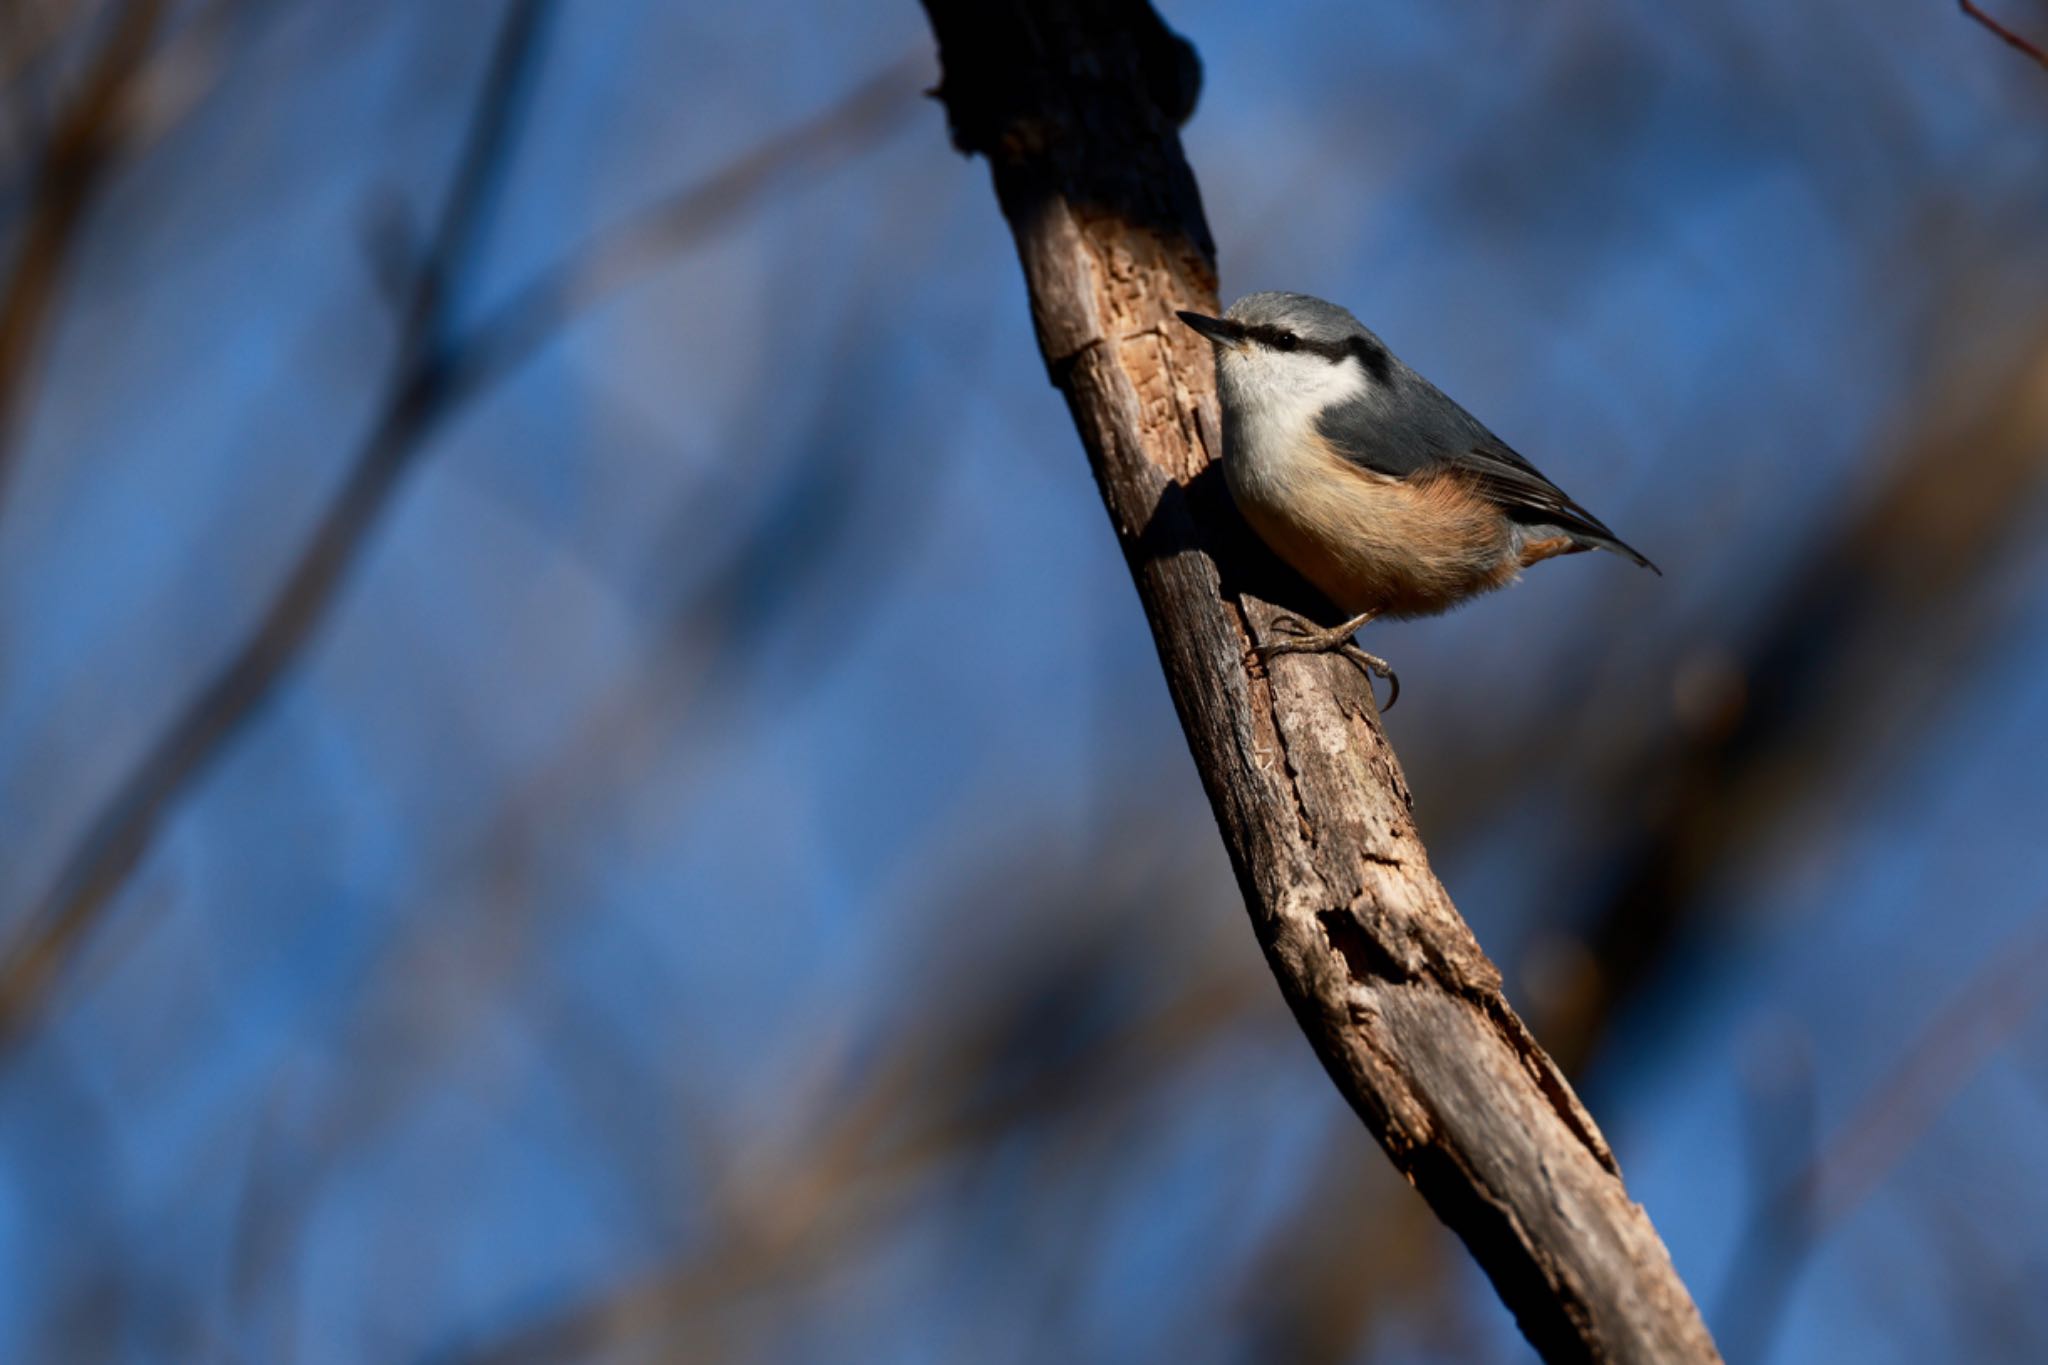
x=946, y=1089
x=1773, y=1249
x=600, y=268
x=784, y=559
x=84, y=141
x=414, y=400
x=436, y=369
x=1793, y=1216
x=1356, y=1252
x=1950, y=1050
x=1871, y=624
x=2012, y=39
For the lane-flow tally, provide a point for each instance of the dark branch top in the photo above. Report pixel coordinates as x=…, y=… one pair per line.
x=1076, y=105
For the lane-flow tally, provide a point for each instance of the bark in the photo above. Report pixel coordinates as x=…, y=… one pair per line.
x=1076, y=106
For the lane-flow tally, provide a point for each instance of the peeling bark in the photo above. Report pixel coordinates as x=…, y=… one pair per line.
x=1076, y=106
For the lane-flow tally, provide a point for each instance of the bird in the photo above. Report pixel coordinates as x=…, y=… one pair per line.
x=1368, y=480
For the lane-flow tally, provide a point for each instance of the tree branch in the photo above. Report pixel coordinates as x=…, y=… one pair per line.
x=1076, y=107
x=83, y=145
x=437, y=368
x=2012, y=39
x=415, y=402
x=1820, y=673
x=1794, y=1214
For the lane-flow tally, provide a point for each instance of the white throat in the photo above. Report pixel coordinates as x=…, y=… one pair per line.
x=1271, y=401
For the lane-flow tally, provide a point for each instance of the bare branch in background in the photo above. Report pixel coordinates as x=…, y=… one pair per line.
x=818, y=511
x=436, y=369
x=84, y=141
x=1818, y=678
x=1358, y=1253
x=1764, y=1272
x=137, y=86
x=2012, y=39
x=616, y=258
x=1794, y=1214
x=945, y=1091
x=414, y=404
x=1076, y=108
x=1955, y=1045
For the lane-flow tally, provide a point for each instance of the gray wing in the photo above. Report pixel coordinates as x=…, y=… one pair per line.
x=1406, y=427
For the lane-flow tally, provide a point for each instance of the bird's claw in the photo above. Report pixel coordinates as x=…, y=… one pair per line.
x=1303, y=638
x=1374, y=664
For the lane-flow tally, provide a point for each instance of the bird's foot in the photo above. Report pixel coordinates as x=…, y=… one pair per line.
x=1302, y=638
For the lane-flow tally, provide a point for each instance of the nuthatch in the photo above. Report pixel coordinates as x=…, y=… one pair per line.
x=1367, y=480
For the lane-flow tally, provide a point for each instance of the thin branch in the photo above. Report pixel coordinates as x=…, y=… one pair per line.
x=2012, y=39
x=629, y=251
x=1955, y=1045
x=1075, y=104
x=867, y=1148
x=1818, y=672
x=1797, y=1212
x=1765, y=1269
x=415, y=401
x=433, y=373
x=83, y=144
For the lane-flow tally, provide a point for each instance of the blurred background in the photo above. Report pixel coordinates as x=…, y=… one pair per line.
x=581, y=777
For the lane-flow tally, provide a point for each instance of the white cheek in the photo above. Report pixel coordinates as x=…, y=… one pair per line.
x=1270, y=406
x=1286, y=393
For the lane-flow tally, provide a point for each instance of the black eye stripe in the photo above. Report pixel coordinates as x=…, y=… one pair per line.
x=1370, y=354
x=1280, y=339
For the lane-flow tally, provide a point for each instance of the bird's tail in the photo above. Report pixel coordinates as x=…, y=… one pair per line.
x=1601, y=540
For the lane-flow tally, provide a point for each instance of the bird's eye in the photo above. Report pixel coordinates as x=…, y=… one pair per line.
x=1286, y=341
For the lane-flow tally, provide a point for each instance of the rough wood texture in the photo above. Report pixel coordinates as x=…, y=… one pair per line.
x=1076, y=106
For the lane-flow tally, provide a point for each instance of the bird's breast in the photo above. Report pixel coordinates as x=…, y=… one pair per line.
x=1405, y=547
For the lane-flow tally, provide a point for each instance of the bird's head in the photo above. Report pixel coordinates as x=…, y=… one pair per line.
x=1292, y=351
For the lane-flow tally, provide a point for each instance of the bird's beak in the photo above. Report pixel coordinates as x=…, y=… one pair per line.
x=1220, y=330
